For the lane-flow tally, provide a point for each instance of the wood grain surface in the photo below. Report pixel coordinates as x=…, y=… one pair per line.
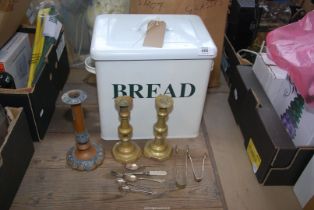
x=50, y=184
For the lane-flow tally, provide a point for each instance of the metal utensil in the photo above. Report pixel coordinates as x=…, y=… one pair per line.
x=122, y=181
x=133, y=178
x=134, y=166
x=150, y=173
x=126, y=188
x=196, y=178
x=147, y=173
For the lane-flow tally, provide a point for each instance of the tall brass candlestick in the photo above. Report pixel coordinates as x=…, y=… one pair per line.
x=84, y=156
x=159, y=148
x=125, y=151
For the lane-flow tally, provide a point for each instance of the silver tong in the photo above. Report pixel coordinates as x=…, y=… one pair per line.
x=196, y=178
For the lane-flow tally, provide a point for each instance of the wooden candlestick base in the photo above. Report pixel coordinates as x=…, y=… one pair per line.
x=76, y=158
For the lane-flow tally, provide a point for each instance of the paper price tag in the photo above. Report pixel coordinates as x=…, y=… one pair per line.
x=155, y=34
x=204, y=51
x=52, y=27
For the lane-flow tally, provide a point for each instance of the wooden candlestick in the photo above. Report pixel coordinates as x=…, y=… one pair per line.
x=85, y=156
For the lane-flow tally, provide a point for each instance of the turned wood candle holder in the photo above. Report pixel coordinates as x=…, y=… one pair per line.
x=85, y=156
x=159, y=148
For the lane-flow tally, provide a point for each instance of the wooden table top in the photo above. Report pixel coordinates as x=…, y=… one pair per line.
x=50, y=184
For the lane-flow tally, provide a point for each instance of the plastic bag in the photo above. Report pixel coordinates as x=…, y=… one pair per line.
x=97, y=7
x=291, y=47
x=72, y=14
x=78, y=19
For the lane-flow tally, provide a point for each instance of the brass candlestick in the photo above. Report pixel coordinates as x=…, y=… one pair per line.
x=84, y=156
x=158, y=148
x=125, y=151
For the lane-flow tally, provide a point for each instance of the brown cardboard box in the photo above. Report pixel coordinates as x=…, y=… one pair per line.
x=212, y=12
x=275, y=159
x=308, y=6
x=16, y=152
x=309, y=205
x=230, y=59
x=39, y=101
x=11, y=15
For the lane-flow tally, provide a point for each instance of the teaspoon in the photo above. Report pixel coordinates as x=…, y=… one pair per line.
x=133, y=178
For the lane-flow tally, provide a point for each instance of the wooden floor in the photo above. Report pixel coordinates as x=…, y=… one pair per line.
x=50, y=184
x=240, y=186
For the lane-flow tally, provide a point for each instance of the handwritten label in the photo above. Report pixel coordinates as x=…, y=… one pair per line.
x=151, y=4
x=205, y=4
x=189, y=7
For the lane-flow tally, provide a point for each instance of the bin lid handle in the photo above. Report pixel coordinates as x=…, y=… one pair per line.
x=90, y=65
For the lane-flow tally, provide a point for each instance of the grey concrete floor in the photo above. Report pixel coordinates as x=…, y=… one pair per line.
x=240, y=186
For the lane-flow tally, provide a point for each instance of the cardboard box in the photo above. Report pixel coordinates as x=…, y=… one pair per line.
x=39, y=101
x=304, y=187
x=308, y=6
x=242, y=22
x=274, y=157
x=15, y=153
x=309, y=205
x=213, y=14
x=15, y=57
x=230, y=59
x=288, y=103
x=11, y=15
x=270, y=76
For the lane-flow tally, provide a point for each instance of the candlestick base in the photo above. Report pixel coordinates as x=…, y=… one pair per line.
x=156, y=151
x=126, y=152
x=80, y=162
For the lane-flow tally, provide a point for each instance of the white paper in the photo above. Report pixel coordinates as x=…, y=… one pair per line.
x=52, y=27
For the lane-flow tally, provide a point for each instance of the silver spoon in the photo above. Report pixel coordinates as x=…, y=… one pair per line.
x=122, y=181
x=126, y=188
x=133, y=166
x=133, y=178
